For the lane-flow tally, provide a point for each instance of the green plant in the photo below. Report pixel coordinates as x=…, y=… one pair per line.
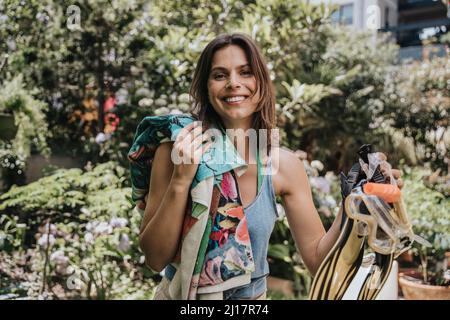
x=416, y=102
x=429, y=213
x=12, y=233
x=80, y=232
x=32, y=130
x=438, y=182
x=144, y=55
x=335, y=103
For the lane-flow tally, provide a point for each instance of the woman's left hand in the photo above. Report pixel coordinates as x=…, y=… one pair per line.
x=395, y=172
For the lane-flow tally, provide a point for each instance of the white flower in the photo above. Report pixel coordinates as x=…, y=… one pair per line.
x=59, y=258
x=145, y=102
x=160, y=102
x=103, y=228
x=124, y=243
x=320, y=183
x=447, y=275
x=162, y=111
x=121, y=96
x=317, y=165
x=11, y=44
x=183, y=98
x=89, y=238
x=330, y=176
x=61, y=269
x=70, y=269
x=90, y=226
x=101, y=137
x=45, y=239
x=176, y=111
x=43, y=296
x=144, y=92
x=44, y=229
x=118, y=222
x=3, y=18
x=330, y=201
x=85, y=211
x=42, y=17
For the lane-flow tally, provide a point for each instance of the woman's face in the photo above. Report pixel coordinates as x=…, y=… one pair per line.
x=231, y=83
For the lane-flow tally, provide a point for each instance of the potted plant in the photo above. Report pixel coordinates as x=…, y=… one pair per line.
x=22, y=126
x=8, y=128
x=428, y=276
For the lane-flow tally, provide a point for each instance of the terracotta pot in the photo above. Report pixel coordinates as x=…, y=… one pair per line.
x=406, y=256
x=415, y=290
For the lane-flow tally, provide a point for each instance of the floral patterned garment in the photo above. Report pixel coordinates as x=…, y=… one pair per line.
x=229, y=250
x=224, y=257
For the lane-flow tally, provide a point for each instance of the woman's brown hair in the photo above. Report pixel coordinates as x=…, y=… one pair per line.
x=264, y=117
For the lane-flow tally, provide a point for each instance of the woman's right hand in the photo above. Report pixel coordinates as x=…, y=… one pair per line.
x=187, y=152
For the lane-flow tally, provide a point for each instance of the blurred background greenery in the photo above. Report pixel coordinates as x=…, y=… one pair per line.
x=75, y=80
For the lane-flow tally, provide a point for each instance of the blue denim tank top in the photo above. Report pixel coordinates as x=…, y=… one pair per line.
x=261, y=215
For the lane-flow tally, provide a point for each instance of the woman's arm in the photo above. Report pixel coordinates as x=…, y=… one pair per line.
x=167, y=199
x=311, y=239
x=306, y=227
x=164, y=213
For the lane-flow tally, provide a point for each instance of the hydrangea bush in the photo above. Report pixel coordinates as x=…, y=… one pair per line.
x=429, y=212
x=73, y=234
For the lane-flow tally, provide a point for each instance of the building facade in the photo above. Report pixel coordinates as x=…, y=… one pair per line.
x=412, y=23
x=364, y=14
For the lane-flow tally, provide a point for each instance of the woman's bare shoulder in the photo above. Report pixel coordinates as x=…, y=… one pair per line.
x=284, y=157
x=287, y=168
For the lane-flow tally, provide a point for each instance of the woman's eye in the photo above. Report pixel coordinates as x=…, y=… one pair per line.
x=221, y=76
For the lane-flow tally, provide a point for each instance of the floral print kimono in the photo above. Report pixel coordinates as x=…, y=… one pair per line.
x=215, y=252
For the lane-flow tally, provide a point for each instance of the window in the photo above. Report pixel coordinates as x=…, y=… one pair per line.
x=344, y=15
x=347, y=14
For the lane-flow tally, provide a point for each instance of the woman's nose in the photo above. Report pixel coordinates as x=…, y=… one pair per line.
x=233, y=81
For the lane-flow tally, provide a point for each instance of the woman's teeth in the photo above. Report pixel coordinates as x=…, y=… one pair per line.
x=235, y=99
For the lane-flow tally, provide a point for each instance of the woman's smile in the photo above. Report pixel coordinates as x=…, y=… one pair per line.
x=232, y=86
x=234, y=100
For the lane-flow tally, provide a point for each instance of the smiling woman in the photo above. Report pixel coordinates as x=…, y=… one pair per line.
x=216, y=219
x=232, y=85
